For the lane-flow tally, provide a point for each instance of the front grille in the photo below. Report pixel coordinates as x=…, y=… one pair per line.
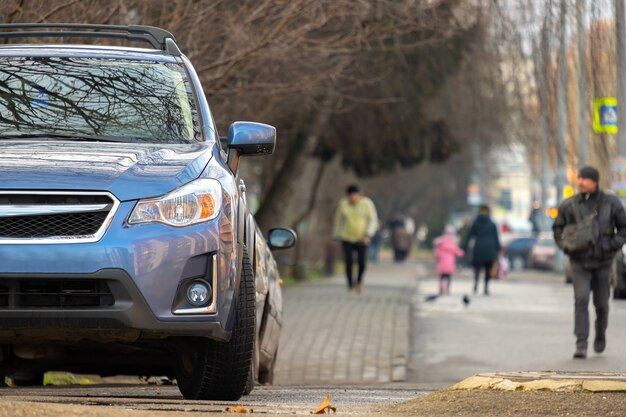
x=50, y=217
x=54, y=225
x=4, y=297
x=60, y=294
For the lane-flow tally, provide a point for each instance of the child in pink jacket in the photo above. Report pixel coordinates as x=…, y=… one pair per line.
x=446, y=252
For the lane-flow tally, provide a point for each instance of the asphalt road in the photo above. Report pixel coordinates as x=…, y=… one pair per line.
x=526, y=324
x=110, y=399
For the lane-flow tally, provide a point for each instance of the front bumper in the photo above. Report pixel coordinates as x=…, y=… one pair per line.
x=144, y=267
x=129, y=311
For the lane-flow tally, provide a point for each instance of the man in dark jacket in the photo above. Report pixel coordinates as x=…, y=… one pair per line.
x=591, y=268
x=484, y=233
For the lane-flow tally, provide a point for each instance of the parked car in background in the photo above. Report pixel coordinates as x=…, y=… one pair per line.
x=126, y=239
x=618, y=277
x=543, y=253
x=517, y=251
x=568, y=271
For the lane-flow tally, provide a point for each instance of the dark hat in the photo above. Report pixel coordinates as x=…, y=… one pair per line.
x=352, y=189
x=589, y=172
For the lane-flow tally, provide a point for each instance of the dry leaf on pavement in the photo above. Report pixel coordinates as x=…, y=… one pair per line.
x=325, y=407
x=238, y=409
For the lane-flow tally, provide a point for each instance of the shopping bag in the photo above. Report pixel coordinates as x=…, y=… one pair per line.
x=493, y=273
x=503, y=267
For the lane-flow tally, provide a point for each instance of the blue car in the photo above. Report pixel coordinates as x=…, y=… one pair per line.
x=518, y=252
x=126, y=243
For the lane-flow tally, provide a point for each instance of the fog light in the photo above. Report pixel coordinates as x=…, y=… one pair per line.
x=198, y=293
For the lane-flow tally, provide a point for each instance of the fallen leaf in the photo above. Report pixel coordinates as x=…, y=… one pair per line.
x=239, y=409
x=325, y=407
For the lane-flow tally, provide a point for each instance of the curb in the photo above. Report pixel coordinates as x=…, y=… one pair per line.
x=544, y=381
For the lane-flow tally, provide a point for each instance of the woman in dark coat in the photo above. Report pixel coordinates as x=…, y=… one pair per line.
x=484, y=232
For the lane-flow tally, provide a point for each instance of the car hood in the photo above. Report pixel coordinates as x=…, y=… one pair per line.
x=544, y=250
x=127, y=170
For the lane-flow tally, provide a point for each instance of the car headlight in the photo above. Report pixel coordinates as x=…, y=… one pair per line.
x=196, y=202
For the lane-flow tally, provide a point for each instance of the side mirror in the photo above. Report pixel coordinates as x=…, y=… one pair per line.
x=249, y=138
x=281, y=238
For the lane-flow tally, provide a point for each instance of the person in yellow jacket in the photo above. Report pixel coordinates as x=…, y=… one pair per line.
x=356, y=222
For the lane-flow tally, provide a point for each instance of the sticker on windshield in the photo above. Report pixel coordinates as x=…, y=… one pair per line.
x=41, y=99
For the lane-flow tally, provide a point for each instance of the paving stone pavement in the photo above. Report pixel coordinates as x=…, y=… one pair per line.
x=334, y=337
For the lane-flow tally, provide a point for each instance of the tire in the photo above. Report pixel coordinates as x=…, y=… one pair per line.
x=250, y=384
x=619, y=293
x=252, y=374
x=26, y=379
x=214, y=370
x=517, y=263
x=266, y=374
x=617, y=277
x=267, y=377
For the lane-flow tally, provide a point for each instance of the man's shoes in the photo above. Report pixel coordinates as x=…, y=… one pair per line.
x=581, y=351
x=599, y=344
x=359, y=288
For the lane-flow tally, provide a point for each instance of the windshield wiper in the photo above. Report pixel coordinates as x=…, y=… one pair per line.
x=56, y=136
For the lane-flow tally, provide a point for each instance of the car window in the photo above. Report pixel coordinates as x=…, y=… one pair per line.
x=546, y=242
x=128, y=100
x=521, y=243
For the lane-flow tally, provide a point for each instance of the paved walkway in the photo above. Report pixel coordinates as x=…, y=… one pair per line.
x=334, y=337
x=331, y=337
x=526, y=324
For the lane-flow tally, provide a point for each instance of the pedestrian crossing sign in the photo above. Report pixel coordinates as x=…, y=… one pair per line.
x=605, y=115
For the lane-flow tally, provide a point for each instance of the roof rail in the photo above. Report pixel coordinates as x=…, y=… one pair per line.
x=157, y=37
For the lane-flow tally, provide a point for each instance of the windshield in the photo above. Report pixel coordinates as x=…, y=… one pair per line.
x=116, y=99
x=520, y=243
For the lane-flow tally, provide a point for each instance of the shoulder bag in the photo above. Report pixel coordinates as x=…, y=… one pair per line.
x=585, y=233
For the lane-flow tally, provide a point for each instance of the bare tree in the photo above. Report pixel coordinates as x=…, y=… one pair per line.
x=374, y=85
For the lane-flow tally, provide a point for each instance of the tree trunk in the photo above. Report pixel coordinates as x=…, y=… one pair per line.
x=298, y=250
x=271, y=209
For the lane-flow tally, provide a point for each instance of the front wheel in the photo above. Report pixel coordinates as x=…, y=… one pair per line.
x=211, y=370
x=252, y=373
x=266, y=377
x=26, y=379
x=617, y=277
x=619, y=293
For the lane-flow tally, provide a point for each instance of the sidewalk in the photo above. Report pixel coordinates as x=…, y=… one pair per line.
x=332, y=337
x=526, y=324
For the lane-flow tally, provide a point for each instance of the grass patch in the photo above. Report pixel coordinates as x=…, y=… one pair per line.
x=65, y=378
x=312, y=275
x=289, y=281
x=315, y=275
